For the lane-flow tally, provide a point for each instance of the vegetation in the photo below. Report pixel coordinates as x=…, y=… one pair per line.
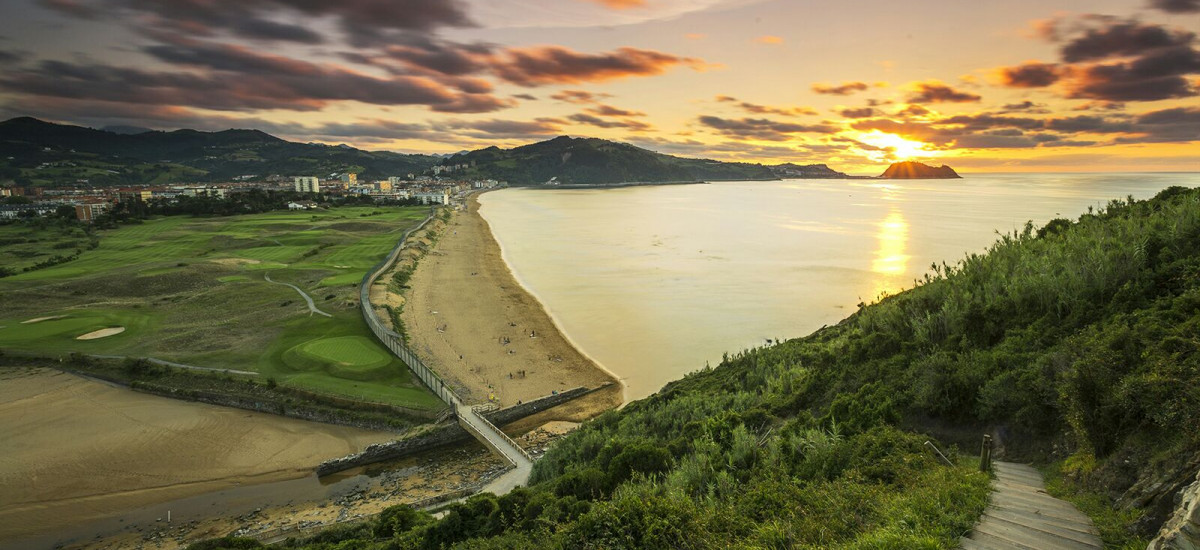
x=191, y=290
x=1074, y=343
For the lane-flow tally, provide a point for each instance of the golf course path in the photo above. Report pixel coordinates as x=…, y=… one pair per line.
x=312, y=307
x=166, y=363
x=1021, y=516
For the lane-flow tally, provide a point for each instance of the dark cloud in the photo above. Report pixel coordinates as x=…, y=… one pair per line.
x=1031, y=74
x=361, y=19
x=761, y=128
x=631, y=125
x=858, y=113
x=1122, y=39
x=234, y=79
x=1151, y=78
x=13, y=57
x=757, y=109
x=936, y=92
x=526, y=97
x=537, y=66
x=986, y=121
x=845, y=88
x=1088, y=124
x=1179, y=124
x=1024, y=106
x=1176, y=6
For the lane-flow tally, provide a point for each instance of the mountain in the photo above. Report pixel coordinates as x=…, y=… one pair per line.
x=43, y=153
x=128, y=130
x=807, y=171
x=592, y=161
x=917, y=170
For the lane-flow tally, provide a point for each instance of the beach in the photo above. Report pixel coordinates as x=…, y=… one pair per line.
x=78, y=450
x=470, y=320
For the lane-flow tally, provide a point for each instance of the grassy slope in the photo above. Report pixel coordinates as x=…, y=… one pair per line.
x=1075, y=343
x=192, y=290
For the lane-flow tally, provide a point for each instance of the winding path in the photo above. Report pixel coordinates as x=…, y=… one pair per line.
x=1021, y=516
x=312, y=307
x=166, y=363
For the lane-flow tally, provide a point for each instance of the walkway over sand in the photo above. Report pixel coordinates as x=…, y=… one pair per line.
x=1022, y=516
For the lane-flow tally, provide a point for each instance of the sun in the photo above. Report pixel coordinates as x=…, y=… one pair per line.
x=901, y=148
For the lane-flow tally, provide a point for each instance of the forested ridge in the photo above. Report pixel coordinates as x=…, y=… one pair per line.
x=1074, y=343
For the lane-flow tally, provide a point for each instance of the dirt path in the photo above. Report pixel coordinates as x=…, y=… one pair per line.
x=312, y=307
x=471, y=322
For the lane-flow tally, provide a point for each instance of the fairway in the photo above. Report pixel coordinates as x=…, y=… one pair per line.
x=191, y=290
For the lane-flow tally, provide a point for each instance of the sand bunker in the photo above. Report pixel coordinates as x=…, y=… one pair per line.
x=235, y=261
x=40, y=319
x=102, y=333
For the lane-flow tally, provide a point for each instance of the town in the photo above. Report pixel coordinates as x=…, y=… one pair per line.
x=89, y=202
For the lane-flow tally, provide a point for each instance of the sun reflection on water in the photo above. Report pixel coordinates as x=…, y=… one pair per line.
x=891, y=257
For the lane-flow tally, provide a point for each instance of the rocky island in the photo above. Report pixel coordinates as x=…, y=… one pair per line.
x=917, y=170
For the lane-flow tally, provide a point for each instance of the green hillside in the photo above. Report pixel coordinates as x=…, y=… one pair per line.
x=43, y=153
x=1075, y=344
x=589, y=161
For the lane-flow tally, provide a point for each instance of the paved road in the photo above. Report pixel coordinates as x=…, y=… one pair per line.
x=1022, y=516
x=312, y=307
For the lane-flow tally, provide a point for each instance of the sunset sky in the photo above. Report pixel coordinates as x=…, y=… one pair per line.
x=1014, y=85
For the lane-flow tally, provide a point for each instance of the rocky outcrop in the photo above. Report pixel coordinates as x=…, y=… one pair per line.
x=1182, y=530
x=917, y=170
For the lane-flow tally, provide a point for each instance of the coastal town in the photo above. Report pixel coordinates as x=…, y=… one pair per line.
x=297, y=192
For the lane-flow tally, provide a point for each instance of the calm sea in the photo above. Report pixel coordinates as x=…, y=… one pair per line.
x=654, y=282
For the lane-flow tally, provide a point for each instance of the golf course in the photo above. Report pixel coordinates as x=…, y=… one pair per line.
x=195, y=291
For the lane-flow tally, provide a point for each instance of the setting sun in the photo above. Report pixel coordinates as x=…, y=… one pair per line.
x=897, y=148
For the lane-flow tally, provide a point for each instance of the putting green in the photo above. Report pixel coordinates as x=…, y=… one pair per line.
x=353, y=357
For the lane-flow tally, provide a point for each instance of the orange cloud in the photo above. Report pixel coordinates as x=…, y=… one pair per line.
x=769, y=39
x=540, y=65
x=695, y=36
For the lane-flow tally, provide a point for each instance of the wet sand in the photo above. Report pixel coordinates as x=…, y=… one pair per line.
x=77, y=451
x=469, y=320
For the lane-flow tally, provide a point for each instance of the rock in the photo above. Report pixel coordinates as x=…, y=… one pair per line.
x=1182, y=530
x=917, y=170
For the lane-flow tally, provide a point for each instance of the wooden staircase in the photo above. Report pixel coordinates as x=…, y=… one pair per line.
x=1022, y=516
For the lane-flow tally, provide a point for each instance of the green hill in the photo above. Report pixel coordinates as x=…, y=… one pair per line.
x=1074, y=344
x=41, y=153
x=591, y=161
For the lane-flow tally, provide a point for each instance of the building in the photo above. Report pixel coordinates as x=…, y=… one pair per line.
x=384, y=186
x=433, y=197
x=302, y=205
x=88, y=212
x=349, y=179
x=307, y=184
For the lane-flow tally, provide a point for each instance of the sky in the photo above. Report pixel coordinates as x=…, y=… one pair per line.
x=1014, y=85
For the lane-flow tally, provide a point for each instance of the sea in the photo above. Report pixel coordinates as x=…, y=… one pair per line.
x=653, y=282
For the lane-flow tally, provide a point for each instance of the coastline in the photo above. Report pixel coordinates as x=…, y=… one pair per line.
x=554, y=317
x=476, y=325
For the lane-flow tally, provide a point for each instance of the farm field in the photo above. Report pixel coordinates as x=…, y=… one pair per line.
x=192, y=290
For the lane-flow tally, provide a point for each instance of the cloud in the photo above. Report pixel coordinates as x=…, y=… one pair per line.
x=1113, y=60
x=1179, y=124
x=579, y=97
x=761, y=128
x=769, y=39
x=936, y=92
x=526, y=97
x=610, y=111
x=1031, y=74
x=1176, y=6
x=913, y=110
x=858, y=113
x=1024, y=106
x=360, y=19
x=631, y=125
x=503, y=129
x=757, y=109
x=1122, y=38
x=231, y=79
x=845, y=88
x=541, y=65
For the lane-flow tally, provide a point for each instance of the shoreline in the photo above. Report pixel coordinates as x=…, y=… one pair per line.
x=472, y=321
x=551, y=314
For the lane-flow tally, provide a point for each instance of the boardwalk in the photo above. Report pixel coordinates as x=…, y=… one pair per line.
x=1022, y=516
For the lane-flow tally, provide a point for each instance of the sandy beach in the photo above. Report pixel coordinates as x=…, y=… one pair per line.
x=472, y=322
x=76, y=450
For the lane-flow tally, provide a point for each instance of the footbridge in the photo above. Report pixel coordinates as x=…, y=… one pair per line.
x=470, y=418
